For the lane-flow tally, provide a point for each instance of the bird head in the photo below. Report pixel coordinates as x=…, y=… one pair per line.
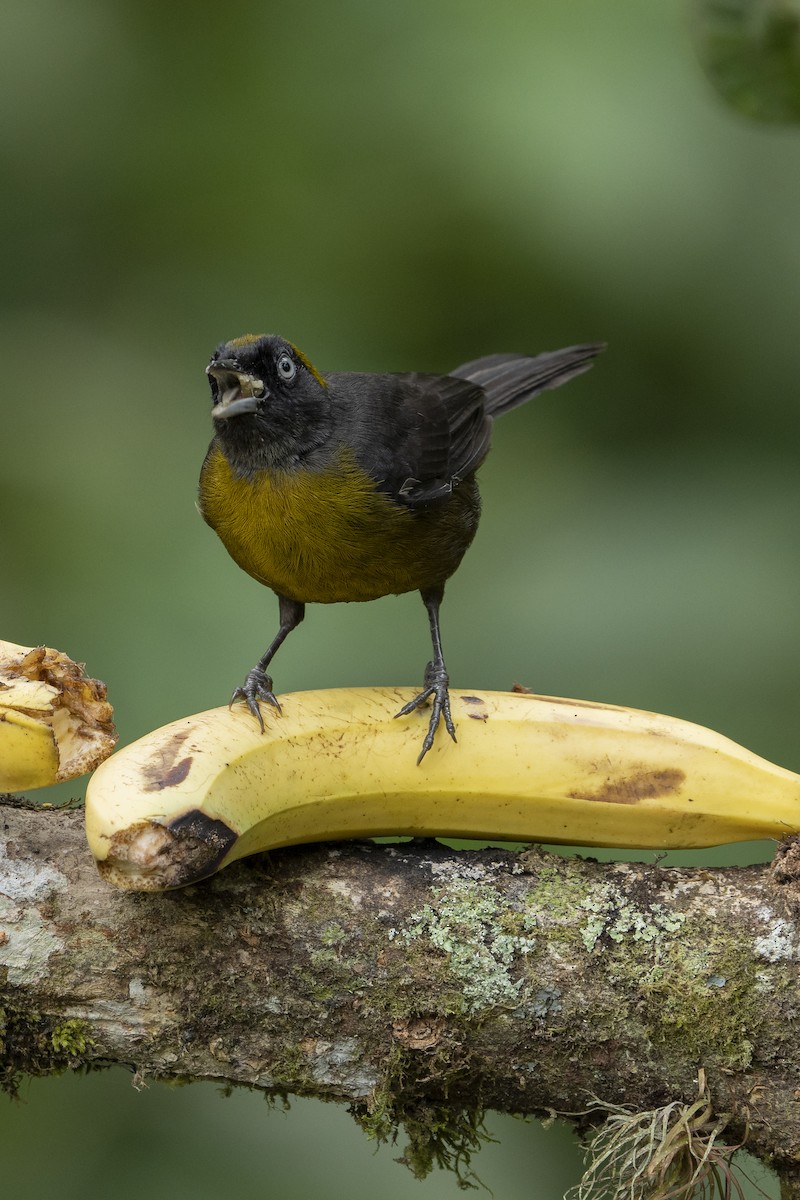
x=251, y=374
x=271, y=407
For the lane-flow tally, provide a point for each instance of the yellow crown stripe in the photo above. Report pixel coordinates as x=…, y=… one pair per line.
x=246, y=339
x=308, y=365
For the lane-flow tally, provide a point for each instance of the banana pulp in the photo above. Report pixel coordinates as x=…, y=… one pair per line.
x=196, y=795
x=55, y=723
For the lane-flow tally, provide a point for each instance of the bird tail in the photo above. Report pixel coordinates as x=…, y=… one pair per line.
x=511, y=379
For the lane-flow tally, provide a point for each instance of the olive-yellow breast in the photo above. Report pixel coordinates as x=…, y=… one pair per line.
x=329, y=535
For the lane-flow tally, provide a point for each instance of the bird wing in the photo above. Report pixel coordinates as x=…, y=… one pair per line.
x=423, y=434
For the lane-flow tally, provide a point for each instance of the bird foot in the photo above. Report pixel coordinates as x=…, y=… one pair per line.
x=257, y=686
x=436, y=688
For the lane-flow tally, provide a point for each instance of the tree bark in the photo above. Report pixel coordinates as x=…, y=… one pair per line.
x=419, y=984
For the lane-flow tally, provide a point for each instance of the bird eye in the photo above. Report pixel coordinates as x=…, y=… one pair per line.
x=286, y=368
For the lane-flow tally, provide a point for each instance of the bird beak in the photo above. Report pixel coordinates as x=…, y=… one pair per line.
x=235, y=393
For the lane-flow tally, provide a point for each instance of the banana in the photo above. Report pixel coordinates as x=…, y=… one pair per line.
x=194, y=796
x=55, y=723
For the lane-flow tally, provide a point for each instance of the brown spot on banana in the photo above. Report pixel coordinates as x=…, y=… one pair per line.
x=641, y=785
x=478, y=712
x=164, y=770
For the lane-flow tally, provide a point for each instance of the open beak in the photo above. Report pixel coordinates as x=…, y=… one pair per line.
x=235, y=393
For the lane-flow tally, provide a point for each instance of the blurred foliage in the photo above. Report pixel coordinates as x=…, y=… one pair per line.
x=391, y=186
x=750, y=50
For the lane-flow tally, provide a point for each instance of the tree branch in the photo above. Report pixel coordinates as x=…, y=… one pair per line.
x=421, y=985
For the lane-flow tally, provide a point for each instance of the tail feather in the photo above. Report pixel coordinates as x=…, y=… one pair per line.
x=510, y=379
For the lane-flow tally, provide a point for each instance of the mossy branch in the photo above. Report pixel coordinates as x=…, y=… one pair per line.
x=419, y=985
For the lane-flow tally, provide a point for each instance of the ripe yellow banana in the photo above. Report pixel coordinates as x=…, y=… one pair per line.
x=194, y=796
x=55, y=723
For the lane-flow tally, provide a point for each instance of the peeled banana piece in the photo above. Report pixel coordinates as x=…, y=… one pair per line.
x=194, y=796
x=55, y=722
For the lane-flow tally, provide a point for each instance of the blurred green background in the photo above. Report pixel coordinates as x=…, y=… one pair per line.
x=391, y=186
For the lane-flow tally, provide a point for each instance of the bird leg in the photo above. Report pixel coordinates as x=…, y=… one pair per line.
x=436, y=678
x=258, y=684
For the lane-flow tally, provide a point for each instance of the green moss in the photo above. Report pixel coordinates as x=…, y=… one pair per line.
x=443, y=1135
x=558, y=894
x=320, y=992
x=71, y=1038
x=335, y=964
x=31, y=1044
x=707, y=1005
x=290, y=1071
x=445, y=1138
x=333, y=933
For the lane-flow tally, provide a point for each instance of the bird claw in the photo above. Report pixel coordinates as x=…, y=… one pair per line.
x=257, y=686
x=436, y=687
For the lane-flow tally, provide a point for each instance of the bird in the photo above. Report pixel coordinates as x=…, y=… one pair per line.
x=350, y=486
